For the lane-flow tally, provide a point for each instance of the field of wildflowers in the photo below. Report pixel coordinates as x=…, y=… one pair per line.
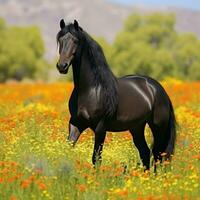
x=37, y=163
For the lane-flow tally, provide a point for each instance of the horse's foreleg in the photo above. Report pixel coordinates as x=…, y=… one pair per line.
x=74, y=132
x=98, y=147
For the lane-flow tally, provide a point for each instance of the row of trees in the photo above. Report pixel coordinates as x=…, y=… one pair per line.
x=147, y=45
x=21, y=53
x=151, y=46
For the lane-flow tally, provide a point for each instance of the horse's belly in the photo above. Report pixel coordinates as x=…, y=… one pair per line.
x=132, y=112
x=124, y=124
x=117, y=126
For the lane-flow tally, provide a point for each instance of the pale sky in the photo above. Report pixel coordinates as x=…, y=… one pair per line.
x=191, y=4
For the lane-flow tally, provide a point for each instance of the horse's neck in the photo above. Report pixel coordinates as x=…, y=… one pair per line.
x=83, y=74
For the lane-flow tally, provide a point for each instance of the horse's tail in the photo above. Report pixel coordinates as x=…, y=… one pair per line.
x=171, y=132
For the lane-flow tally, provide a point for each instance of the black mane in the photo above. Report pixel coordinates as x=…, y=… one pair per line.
x=103, y=76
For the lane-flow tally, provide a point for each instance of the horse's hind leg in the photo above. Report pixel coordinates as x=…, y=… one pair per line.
x=159, y=146
x=140, y=143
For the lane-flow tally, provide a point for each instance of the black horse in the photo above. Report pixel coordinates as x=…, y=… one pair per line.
x=103, y=102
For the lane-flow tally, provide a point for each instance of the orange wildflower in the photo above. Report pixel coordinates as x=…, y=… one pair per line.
x=116, y=162
x=105, y=168
x=13, y=198
x=197, y=157
x=146, y=174
x=1, y=180
x=120, y=169
x=32, y=178
x=116, y=174
x=25, y=184
x=14, y=164
x=42, y=186
x=87, y=165
x=166, y=162
x=11, y=179
x=123, y=193
x=81, y=187
x=19, y=175
x=134, y=173
x=97, y=184
x=2, y=163
x=85, y=175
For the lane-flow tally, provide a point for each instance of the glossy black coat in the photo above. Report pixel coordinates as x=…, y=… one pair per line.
x=103, y=102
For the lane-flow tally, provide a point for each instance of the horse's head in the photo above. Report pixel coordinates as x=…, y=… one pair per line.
x=68, y=41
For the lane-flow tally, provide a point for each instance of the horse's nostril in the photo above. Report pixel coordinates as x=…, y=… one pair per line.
x=61, y=66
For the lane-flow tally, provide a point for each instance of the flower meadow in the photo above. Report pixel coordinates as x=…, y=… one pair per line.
x=37, y=163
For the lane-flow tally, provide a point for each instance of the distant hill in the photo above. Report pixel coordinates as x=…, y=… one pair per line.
x=98, y=17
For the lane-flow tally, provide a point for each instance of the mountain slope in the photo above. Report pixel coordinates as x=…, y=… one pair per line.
x=99, y=17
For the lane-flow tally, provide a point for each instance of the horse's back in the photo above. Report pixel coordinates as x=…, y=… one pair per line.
x=135, y=102
x=135, y=91
x=152, y=92
x=152, y=88
x=137, y=98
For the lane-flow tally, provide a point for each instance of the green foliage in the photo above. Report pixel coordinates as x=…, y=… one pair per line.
x=150, y=45
x=21, y=53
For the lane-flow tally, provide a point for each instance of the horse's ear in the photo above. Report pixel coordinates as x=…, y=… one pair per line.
x=62, y=23
x=76, y=26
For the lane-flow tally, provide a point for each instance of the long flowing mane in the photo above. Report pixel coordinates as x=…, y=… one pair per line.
x=103, y=76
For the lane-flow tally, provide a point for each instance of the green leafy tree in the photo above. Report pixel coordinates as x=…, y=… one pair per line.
x=150, y=45
x=21, y=53
x=186, y=54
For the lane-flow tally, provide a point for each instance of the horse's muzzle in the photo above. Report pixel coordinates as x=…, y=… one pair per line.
x=63, y=69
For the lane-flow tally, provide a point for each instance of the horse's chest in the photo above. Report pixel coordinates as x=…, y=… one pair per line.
x=87, y=104
x=83, y=112
x=88, y=109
